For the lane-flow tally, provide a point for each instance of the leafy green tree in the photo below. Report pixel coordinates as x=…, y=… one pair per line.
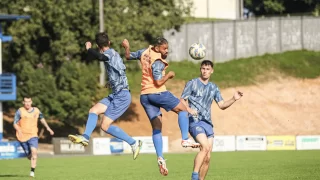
x=48, y=56
x=275, y=7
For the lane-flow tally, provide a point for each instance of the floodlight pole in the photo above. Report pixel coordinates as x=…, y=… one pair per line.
x=102, y=69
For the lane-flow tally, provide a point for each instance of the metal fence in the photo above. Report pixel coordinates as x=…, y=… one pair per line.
x=245, y=38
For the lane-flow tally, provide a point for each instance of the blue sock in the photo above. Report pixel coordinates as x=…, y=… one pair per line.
x=183, y=124
x=195, y=176
x=157, y=141
x=91, y=124
x=120, y=134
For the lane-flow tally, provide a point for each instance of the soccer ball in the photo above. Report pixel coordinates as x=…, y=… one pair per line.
x=197, y=51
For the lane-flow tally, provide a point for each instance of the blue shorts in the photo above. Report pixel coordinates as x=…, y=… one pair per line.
x=153, y=102
x=201, y=127
x=26, y=146
x=117, y=104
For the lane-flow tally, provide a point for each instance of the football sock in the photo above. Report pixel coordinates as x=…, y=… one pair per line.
x=195, y=176
x=157, y=141
x=91, y=124
x=120, y=134
x=183, y=124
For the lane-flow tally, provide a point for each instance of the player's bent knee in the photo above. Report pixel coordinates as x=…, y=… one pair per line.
x=34, y=155
x=106, y=122
x=156, y=123
x=98, y=109
x=207, y=159
x=180, y=107
x=94, y=110
x=205, y=149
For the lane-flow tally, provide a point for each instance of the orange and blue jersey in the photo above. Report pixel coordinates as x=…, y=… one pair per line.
x=28, y=122
x=153, y=68
x=154, y=97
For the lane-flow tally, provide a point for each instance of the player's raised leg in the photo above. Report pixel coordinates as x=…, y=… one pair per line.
x=120, y=134
x=156, y=124
x=154, y=114
x=119, y=103
x=206, y=162
x=183, y=121
x=97, y=109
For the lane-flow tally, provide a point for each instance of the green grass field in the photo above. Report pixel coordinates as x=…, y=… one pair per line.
x=266, y=165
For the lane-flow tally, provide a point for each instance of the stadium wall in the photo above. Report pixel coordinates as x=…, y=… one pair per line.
x=230, y=40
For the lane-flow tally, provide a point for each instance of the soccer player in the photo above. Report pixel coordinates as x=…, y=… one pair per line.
x=154, y=94
x=114, y=105
x=199, y=94
x=26, y=125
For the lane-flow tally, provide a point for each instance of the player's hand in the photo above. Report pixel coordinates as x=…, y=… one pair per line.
x=171, y=74
x=147, y=58
x=125, y=44
x=88, y=45
x=237, y=95
x=192, y=112
x=20, y=134
x=50, y=131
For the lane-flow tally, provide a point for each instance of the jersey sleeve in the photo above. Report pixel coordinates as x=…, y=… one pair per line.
x=17, y=117
x=157, y=68
x=40, y=115
x=217, y=95
x=187, y=90
x=97, y=55
x=136, y=55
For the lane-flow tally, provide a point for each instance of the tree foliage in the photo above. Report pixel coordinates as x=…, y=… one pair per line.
x=276, y=7
x=48, y=56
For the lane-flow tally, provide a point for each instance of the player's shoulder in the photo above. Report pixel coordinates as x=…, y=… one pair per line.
x=110, y=53
x=143, y=50
x=213, y=85
x=194, y=80
x=36, y=109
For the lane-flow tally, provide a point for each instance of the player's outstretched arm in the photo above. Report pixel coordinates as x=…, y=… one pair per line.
x=126, y=46
x=94, y=53
x=45, y=124
x=225, y=104
x=131, y=55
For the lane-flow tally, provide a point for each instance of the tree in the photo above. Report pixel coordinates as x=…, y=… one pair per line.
x=276, y=7
x=48, y=56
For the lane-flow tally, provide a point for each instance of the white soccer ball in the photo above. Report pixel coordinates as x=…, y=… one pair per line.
x=197, y=51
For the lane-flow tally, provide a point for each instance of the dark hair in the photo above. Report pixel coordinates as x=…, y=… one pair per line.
x=102, y=39
x=207, y=63
x=26, y=97
x=159, y=41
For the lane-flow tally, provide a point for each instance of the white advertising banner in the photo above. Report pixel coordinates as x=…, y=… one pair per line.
x=101, y=146
x=308, y=142
x=224, y=143
x=251, y=143
x=147, y=145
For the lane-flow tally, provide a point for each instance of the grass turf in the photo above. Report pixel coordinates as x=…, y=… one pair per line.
x=265, y=165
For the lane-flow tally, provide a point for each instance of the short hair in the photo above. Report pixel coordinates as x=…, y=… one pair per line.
x=160, y=41
x=207, y=63
x=26, y=97
x=102, y=39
